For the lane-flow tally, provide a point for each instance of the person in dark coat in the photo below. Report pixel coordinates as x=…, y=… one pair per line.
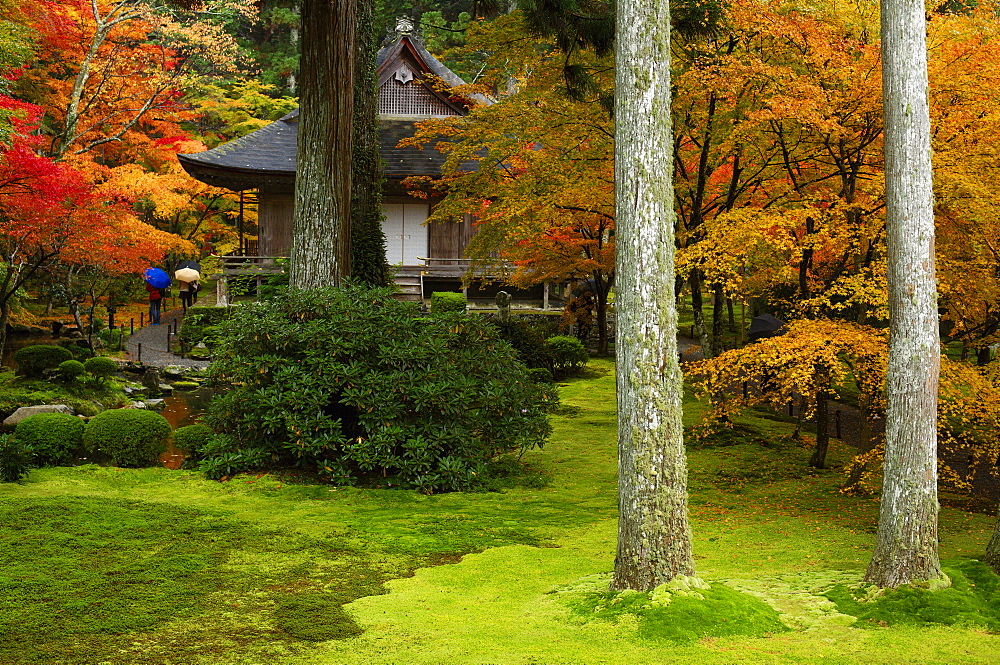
x=155, y=301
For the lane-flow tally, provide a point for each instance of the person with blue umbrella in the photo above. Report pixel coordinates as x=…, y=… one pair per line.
x=156, y=282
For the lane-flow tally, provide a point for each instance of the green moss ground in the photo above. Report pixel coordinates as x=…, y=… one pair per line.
x=257, y=571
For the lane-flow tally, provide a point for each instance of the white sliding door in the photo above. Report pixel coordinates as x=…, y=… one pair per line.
x=405, y=233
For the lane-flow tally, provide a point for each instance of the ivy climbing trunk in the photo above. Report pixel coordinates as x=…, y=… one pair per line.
x=654, y=539
x=906, y=547
x=368, y=262
x=321, y=230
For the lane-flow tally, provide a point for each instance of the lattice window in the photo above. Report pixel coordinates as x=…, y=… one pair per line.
x=396, y=98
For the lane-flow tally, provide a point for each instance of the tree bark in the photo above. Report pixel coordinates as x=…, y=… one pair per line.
x=698, y=309
x=718, y=304
x=818, y=459
x=654, y=539
x=906, y=548
x=321, y=231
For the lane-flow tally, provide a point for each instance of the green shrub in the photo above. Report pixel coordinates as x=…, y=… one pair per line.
x=132, y=437
x=34, y=360
x=192, y=438
x=530, y=346
x=197, y=320
x=569, y=355
x=69, y=370
x=50, y=438
x=356, y=385
x=112, y=337
x=540, y=375
x=101, y=366
x=446, y=301
x=13, y=459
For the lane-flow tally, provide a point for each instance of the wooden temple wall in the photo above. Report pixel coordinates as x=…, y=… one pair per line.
x=274, y=214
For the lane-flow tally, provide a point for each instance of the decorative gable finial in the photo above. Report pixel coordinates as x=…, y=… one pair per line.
x=405, y=27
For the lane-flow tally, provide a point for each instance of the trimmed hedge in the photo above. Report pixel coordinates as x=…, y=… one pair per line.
x=447, y=301
x=101, y=366
x=569, y=355
x=192, y=438
x=132, y=437
x=70, y=369
x=34, y=360
x=50, y=438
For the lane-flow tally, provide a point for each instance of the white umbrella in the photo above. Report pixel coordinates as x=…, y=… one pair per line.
x=187, y=275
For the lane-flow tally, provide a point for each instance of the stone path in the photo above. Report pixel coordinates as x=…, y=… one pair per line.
x=154, y=339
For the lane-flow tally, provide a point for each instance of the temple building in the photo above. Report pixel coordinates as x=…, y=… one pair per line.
x=428, y=257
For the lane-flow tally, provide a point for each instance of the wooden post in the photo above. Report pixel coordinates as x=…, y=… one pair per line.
x=545, y=295
x=138, y=354
x=131, y=326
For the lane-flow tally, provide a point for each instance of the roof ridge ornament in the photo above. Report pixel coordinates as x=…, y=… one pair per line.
x=405, y=27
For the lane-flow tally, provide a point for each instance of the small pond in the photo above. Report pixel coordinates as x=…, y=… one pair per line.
x=181, y=409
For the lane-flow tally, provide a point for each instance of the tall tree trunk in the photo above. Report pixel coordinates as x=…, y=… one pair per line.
x=906, y=547
x=654, y=539
x=321, y=231
x=368, y=261
x=718, y=321
x=698, y=309
x=818, y=459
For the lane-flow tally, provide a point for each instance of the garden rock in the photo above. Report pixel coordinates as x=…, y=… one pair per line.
x=151, y=379
x=155, y=404
x=137, y=405
x=165, y=389
x=27, y=411
x=174, y=371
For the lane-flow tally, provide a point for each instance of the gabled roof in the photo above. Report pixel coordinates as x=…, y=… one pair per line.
x=266, y=157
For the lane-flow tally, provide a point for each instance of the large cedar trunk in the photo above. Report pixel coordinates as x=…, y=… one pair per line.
x=654, y=540
x=321, y=230
x=906, y=547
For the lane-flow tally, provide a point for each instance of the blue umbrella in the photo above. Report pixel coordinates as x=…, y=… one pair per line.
x=156, y=277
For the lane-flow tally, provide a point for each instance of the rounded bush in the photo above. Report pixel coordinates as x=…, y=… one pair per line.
x=356, y=385
x=132, y=437
x=101, y=366
x=70, y=369
x=192, y=438
x=50, y=438
x=530, y=346
x=569, y=355
x=34, y=360
x=447, y=301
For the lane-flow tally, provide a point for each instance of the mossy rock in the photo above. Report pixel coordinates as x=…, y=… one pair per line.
x=185, y=385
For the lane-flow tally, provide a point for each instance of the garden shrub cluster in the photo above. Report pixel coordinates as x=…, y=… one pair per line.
x=354, y=384
x=447, y=301
x=132, y=437
x=51, y=439
x=537, y=347
x=101, y=367
x=201, y=324
x=70, y=370
x=34, y=360
x=569, y=355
